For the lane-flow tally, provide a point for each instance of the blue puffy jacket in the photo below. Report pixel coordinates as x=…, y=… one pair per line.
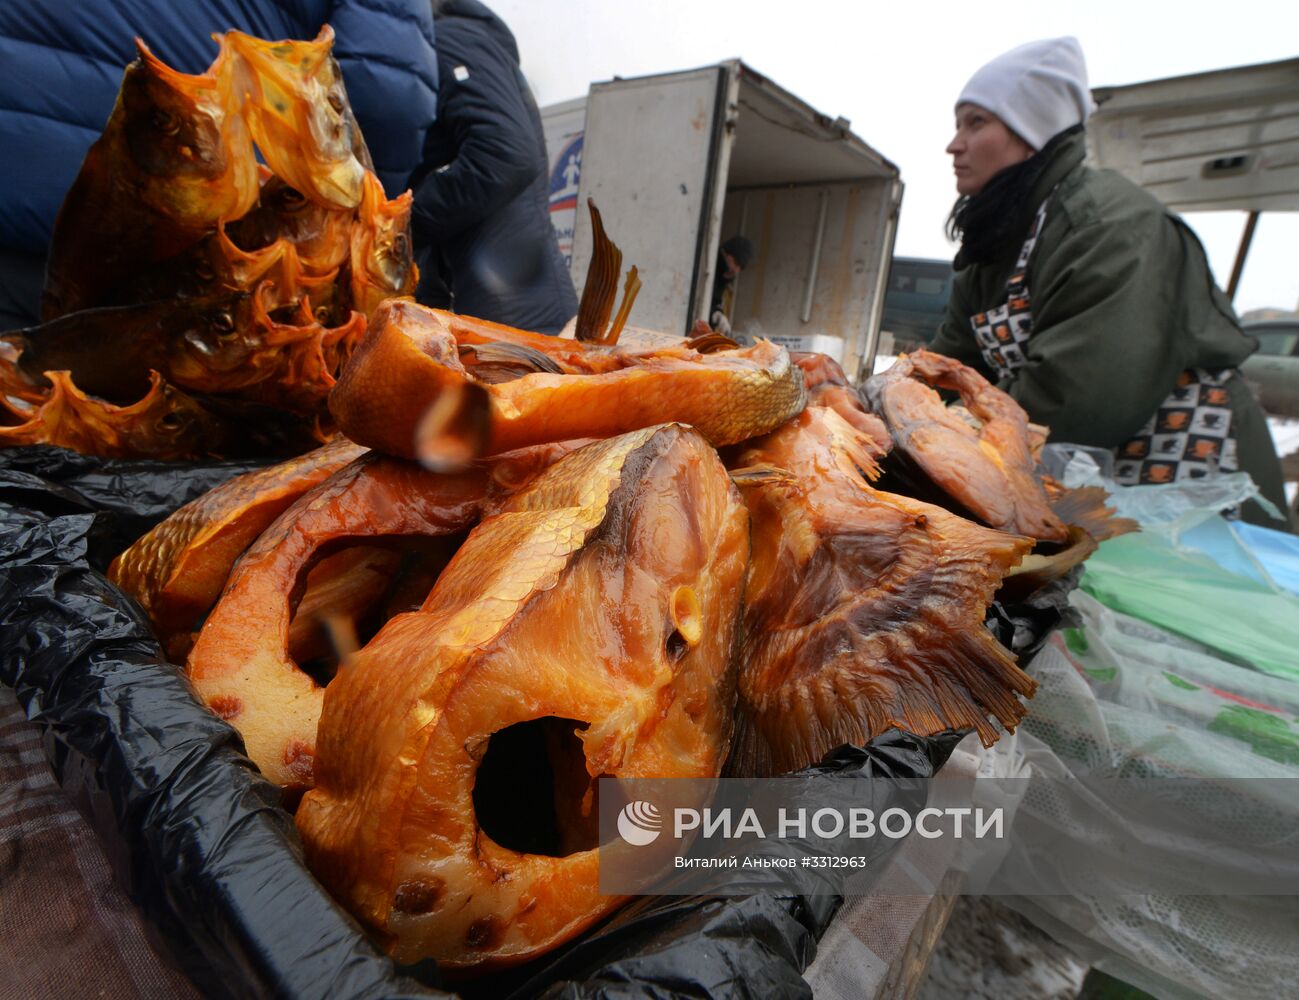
x=63, y=62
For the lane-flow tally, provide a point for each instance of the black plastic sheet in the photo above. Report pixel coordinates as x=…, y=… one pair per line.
x=198, y=838
x=1024, y=626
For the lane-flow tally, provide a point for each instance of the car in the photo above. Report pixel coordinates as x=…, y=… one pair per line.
x=1273, y=370
x=916, y=300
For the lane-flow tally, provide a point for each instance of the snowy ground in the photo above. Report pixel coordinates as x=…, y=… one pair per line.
x=988, y=952
x=1285, y=433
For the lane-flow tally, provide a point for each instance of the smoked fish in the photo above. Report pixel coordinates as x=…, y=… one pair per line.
x=178, y=568
x=600, y=603
x=989, y=471
x=863, y=610
x=406, y=392
x=241, y=664
x=300, y=116
x=381, y=254
x=175, y=158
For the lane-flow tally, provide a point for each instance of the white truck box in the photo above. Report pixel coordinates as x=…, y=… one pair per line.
x=679, y=162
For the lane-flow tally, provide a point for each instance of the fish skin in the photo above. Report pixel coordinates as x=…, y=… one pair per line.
x=989, y=471
x=178, y=568
x=727, y=396
x=382, y=255
x=142, y=336
x=300, y=117
x=225, y=343
x=607, y=537
x=827, y=385
x=863, y=610
x=217, y=265
x=410, y=357
x=174, y=159
x=407, y=360
x=165, y=423
x=240, y=665
x=320, y=233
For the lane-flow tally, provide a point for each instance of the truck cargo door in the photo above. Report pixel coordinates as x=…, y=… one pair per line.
x=652, y=154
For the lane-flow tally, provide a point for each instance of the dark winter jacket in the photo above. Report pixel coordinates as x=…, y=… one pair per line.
x=1122, y=301
x=481, y=219
x=63, y=62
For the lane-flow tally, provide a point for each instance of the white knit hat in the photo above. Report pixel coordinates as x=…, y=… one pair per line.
x=1038, y=89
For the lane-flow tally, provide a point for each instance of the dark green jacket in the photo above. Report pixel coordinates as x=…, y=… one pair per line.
x=1123, y=301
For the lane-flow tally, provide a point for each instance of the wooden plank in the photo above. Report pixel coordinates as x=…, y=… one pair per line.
x=907, y=972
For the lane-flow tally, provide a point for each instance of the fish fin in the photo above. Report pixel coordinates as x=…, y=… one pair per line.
x=761, y=475
x=750, y=755
x=501, y=361
x=711, y=343
x=629, y=292
x=1086, y=508
x=1039, y=568
x=923, y=689
x=601, y=282
x=872, y=635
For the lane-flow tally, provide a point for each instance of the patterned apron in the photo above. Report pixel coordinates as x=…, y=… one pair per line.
x=1187, y=437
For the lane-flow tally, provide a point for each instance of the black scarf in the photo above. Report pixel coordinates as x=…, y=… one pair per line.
x=993, y=223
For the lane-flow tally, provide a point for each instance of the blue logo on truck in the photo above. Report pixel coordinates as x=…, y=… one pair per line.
x=564, y=177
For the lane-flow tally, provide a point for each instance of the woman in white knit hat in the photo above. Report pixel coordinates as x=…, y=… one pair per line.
x=1083, y=297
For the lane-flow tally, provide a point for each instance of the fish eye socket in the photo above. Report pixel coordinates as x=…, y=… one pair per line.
x=168, y=421
x=223, y=323
x=336, y=102
x=164, y=121
x=399, y=244
x=322, y=314
x=291, y=198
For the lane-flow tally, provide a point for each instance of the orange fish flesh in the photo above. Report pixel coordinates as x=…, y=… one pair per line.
x=989, y=470
x=406, y=392
x=178, y=568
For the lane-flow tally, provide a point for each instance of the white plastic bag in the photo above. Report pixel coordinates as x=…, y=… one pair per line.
x=1120, y=695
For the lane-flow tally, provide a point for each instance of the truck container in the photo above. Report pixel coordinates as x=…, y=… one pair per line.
x=1222, y=141
x=679, y=162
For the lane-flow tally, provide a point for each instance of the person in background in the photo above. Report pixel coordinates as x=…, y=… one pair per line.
x=481, y=219
x=1079, y=294
x=64, y=61
x=734, y=256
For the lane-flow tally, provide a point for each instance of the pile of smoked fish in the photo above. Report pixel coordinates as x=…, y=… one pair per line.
x=198, y=303
x=514, y=554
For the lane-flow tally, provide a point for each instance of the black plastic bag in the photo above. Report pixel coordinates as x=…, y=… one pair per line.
x=1024, y=626
x=197, y=837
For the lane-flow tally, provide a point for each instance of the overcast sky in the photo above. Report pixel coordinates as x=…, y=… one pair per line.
x=895, y=69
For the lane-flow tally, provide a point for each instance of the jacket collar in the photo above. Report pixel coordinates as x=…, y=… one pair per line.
x=997, y=220
x=1068, y=155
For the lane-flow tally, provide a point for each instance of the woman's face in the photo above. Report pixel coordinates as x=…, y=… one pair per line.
x=982, y=147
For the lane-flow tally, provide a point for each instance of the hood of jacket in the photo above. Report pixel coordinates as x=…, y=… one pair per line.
x=472, y=10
